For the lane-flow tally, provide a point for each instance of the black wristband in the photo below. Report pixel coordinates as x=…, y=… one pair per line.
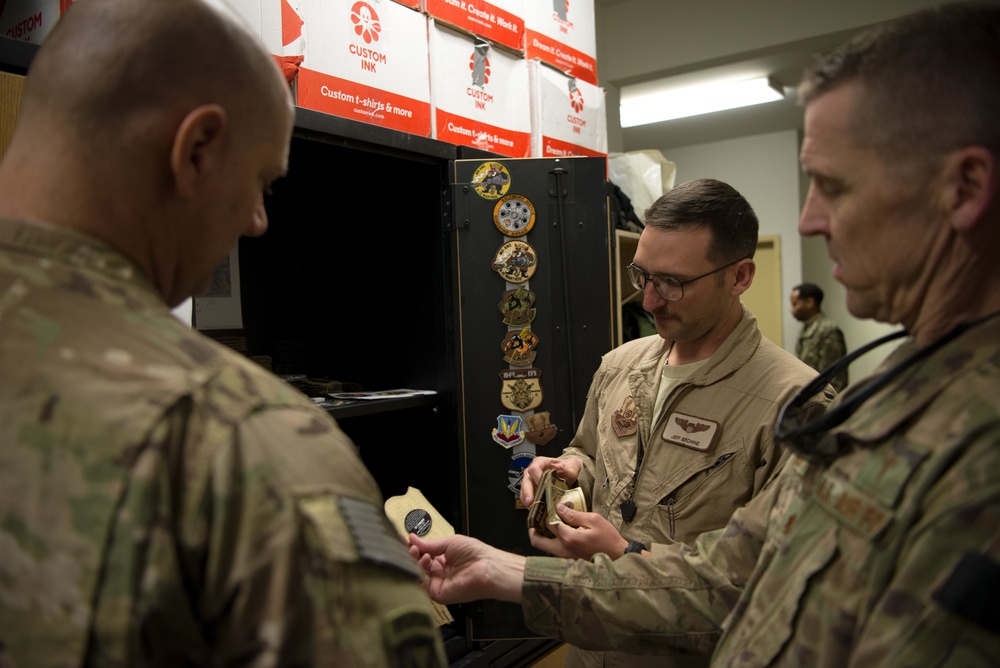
x=634, y=546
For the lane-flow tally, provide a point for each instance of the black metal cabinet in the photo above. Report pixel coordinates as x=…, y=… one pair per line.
x=564, y=201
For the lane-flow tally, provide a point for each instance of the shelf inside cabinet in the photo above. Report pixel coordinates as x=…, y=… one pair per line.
x=341, y=409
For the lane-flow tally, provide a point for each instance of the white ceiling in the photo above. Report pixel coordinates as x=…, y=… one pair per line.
x=641, y=40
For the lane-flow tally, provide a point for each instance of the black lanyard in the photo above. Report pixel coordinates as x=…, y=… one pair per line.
x=628, y=506
x=804, y=438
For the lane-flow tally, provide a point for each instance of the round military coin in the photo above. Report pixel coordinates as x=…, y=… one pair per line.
x=417, y=521
x=514, y=215
x=515, y=261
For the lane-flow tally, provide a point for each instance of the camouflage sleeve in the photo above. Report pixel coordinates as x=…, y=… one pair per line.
x=303, y=567
x=778, y=455
x=677, y=598
x=830, y=349
x=940, y=606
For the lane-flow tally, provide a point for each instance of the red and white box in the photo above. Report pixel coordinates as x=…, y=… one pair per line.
x=366, y=60
x=412, y=4
x=30, y=20
x=280, y=30
x=479, y=94
x=264, y=17
x=499, y=21
x=568, y=115
x=561, y=33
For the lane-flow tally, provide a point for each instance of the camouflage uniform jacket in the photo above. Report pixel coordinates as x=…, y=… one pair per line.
x=820, y=344
x=683, y=490
x=889, y=556
x=164, y=501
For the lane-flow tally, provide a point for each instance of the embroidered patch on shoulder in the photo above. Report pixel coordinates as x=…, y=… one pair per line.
x=374, y=536
x=625, y=420
x=690, y=431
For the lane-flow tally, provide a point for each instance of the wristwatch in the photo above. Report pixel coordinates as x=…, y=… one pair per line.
x=634, y=546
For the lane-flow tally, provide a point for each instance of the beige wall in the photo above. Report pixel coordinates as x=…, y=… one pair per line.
x=639, y=39
x=643, y=37
x=764, y=168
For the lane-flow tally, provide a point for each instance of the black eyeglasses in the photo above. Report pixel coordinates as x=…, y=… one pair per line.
x=668, y=287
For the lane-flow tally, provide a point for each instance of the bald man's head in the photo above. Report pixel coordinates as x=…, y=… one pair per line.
x=155, y=126
x=109, y=64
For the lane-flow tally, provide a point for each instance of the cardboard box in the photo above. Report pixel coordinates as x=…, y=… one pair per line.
x=30, y=20
x=479, y=94
x=561, y=33
x=568, y=115
x=264, y=18
x=499, y=21
x=366, y=60
x=280, y=30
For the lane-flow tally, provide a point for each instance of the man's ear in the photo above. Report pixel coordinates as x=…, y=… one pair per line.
x=971, y=187
x=198, y=147
x=745, y=271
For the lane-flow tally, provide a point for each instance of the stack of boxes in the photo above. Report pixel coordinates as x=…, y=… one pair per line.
x=30, y=20
x=513, y=77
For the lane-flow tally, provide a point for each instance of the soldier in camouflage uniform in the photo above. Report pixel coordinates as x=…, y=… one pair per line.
x=879, y=542
x=164, y=501
x=821, y=343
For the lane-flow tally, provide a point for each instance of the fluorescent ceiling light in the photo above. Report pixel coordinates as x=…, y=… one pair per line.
x=657, y=101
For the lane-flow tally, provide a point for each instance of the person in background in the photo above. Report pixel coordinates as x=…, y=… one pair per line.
x=821, y=343
x=678, y=430
x=163, y=500
x=878, y=544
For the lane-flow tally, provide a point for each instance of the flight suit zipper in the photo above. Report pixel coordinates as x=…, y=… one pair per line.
x=671, y=501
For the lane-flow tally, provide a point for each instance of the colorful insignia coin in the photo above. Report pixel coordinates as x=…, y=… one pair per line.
x=515, y=261
x=515, y=305
x=509, y=431
x=491, y=180
x=514, y=215
x=519, y=347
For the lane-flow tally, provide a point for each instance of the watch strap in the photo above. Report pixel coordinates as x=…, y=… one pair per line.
x=634, y=546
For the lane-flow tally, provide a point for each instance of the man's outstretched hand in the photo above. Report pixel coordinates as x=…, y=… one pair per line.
x=461, y=569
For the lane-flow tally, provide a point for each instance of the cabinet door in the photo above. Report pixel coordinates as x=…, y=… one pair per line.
x=535, y=225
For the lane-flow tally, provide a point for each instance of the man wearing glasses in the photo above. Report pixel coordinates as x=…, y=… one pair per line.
x=878, y=543
x=678, y=431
